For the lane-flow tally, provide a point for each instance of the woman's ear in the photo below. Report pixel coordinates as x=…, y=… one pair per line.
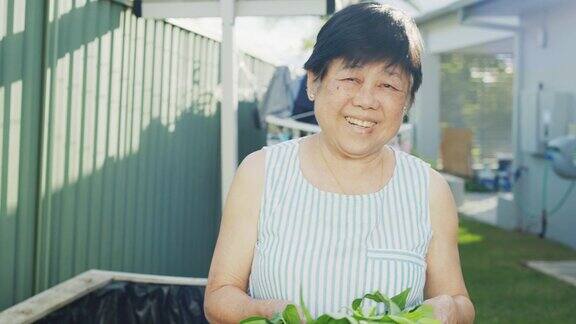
x=311, y=85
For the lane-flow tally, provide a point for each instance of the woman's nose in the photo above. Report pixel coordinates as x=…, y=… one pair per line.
x=364, y=98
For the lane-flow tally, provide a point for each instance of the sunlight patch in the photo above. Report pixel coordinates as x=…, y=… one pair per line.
x=465, y=237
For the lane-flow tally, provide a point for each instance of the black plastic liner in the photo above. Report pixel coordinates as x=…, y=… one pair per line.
x=129, y=302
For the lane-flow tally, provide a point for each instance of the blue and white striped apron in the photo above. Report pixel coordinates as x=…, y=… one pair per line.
x=338, y=247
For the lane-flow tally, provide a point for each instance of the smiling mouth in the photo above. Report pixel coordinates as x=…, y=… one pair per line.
x=358, y=122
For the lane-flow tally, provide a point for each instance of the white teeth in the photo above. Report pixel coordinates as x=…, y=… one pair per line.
x=358, y=122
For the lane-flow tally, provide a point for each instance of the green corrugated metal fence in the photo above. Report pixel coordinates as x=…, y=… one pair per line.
x=109, y=144
x=21, y=33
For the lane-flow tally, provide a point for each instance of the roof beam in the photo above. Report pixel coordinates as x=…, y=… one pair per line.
x=282, y=8
x=205, y=8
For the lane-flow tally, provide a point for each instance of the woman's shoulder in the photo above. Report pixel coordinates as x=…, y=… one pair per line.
x=253, y=164
x=407, y=157
x=284, y=145
x=438, y=186
x=246, y=188
x=277, y=151
x=251, y=174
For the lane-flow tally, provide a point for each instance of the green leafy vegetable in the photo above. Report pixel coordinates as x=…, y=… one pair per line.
x=255, y=320
x=400, y=299
x=395, y=312
x=290, y=314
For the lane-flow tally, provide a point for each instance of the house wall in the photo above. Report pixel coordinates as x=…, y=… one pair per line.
x=441, y=35
x=425, y=114
x=554, y=67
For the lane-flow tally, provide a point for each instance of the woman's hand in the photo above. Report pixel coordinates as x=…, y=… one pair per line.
x=445, y=308
x=278, y=305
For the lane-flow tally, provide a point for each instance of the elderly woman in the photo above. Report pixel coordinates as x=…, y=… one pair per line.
x=340, y=213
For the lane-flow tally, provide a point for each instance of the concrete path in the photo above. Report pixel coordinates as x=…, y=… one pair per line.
x=480, y=206
x=562, y=270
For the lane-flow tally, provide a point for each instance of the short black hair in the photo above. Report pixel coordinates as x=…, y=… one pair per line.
x=369, y=32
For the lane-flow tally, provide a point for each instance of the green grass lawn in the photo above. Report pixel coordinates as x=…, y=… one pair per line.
x=505, y=291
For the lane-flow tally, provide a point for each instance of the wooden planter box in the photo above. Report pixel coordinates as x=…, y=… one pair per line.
x=39, y=306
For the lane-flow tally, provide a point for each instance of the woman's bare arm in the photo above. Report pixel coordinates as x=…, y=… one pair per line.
x=444, y=276
x=226, y=300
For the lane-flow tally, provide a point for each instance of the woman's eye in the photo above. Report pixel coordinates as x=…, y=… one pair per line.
x=386, y=85
x=350, y=79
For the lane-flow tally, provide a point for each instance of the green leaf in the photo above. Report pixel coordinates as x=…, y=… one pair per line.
x=372, y=311
x=387, y=318
x=254, y=320
x=380, y=296
x=384, y=319
x=377, y=297
x=391, y=304
x=291, y=315
x=277, y=319
x=425, y=311
x=338, y=321
x=391, y=309
x=357, y=313
x=324, y=319
x=352, y=320
x=332, y=319
x=394, y=309
x=426, y=308
x=401, y=320
x=422, y=312
x=356, y=303
x=377, y=318
x=428, y=321
x=400, y=299
x=395, y=312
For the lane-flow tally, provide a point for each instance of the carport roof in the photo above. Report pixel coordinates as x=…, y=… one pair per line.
x=488, y=7
x=211, y=8
x=454, y=6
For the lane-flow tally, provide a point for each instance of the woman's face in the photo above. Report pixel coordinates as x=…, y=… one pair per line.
x=360, y=109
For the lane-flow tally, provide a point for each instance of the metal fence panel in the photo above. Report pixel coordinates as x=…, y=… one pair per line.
x=20, y=86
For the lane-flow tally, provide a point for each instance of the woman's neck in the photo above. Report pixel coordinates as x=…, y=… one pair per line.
x=347, y=163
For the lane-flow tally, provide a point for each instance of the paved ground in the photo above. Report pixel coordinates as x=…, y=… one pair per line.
x=480, y=206
x=563, y=270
